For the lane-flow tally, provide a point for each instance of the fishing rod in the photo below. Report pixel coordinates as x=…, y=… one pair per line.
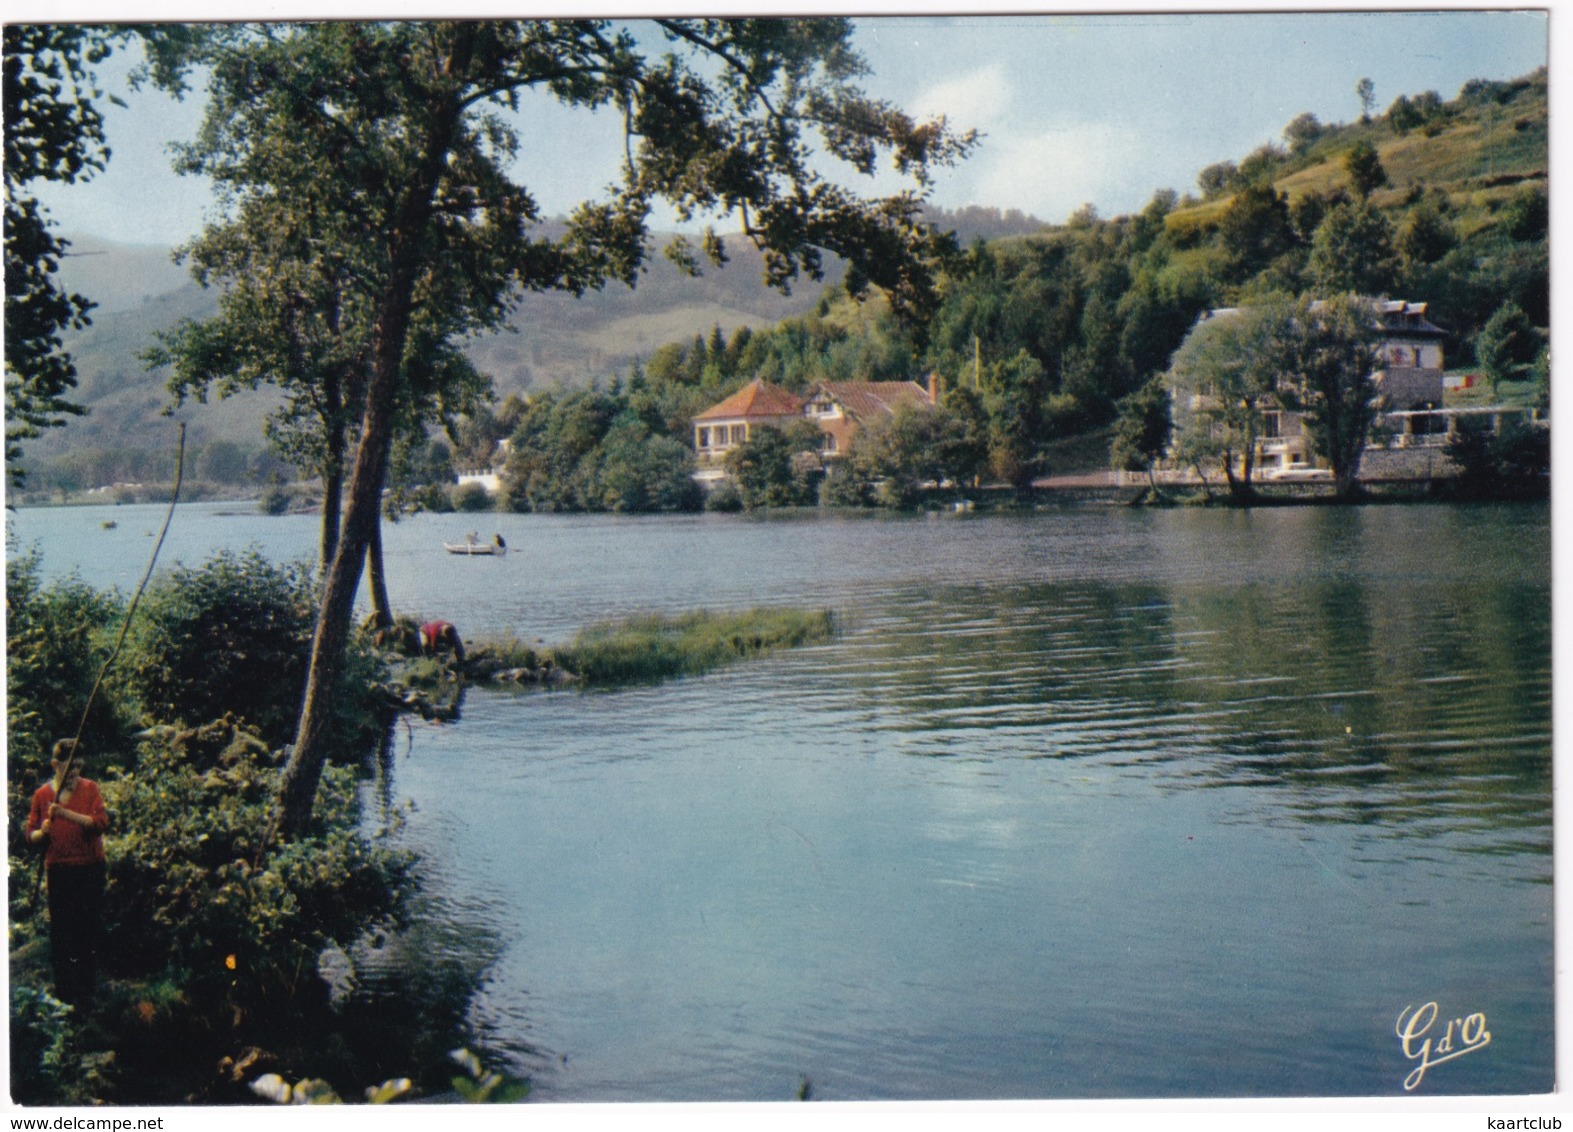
x=64, y=774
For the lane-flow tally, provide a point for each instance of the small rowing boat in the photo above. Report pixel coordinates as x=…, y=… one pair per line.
x=472, y=545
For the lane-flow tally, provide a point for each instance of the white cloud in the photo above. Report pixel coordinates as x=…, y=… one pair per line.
x=971, y=101
x=1053, y=172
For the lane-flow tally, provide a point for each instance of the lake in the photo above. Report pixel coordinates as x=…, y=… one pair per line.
x=1093, y=802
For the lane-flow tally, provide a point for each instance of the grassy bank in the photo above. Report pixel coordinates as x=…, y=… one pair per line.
x=650, y=647
x=655, y=647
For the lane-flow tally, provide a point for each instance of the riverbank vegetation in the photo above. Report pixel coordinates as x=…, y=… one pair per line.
x=643, y=649
x=229, y=952
x=1038, y=338
x=655, y=647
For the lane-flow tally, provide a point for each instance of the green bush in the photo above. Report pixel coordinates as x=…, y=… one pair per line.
x=57, y=639
x=231, y=636
x=766, y=473
x=472, y=497
x=216, y=928
x=724, y=496
x=845, y=487
x=1512, y=464
x=275, y=501
x=193, y=899
x=422, y=497
x=638, y=471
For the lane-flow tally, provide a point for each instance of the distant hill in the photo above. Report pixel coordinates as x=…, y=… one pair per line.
x=556, y=340
x=119, y=277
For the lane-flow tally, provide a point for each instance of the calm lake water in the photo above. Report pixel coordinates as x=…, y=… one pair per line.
x=1089, y=803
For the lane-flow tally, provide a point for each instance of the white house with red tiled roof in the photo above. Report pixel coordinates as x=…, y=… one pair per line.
x=758, y=404
x=839, y=408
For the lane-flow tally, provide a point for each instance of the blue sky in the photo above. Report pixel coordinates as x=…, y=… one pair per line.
x=1101, y=108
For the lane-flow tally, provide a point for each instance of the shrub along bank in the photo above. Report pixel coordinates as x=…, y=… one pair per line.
x=212, y=970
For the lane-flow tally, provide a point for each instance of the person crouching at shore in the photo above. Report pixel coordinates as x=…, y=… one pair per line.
x=438, y=637
x=71, y=828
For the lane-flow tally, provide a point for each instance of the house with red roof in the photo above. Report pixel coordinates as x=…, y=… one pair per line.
x=758, y=404
x=839, y=408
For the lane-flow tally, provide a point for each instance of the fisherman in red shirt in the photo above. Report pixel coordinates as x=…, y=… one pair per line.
x=439, y=635
x=72, y=829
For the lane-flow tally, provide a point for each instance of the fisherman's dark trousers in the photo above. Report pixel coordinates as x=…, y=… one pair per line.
x=76, y=913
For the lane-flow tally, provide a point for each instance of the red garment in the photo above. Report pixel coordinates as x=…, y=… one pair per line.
x=69, y=843
x=432, y=633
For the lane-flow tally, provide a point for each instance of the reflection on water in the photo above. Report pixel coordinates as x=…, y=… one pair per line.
x=1090, y=803
x=1411, y=709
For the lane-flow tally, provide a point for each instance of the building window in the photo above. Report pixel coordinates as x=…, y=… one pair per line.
x=739, y=433
x=704, y=438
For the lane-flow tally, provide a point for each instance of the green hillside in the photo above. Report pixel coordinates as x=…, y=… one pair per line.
x=1476, y=150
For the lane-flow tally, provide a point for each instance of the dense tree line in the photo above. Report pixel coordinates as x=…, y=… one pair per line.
x=218, y=465
x=1052, y=328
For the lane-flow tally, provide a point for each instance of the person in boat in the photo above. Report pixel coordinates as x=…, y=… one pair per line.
x=70, y=824
x=440, y=636
x=498, y=542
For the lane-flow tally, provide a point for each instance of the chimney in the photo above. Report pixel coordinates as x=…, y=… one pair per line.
x=934, y=388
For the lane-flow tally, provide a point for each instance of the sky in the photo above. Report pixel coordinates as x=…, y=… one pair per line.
x=1100, y=108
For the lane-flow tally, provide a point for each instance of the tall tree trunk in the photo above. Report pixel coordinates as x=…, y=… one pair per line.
x=333, y=465
x=381, y=607
x=1227, y=461
x=332, y=509
x=298, y=783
